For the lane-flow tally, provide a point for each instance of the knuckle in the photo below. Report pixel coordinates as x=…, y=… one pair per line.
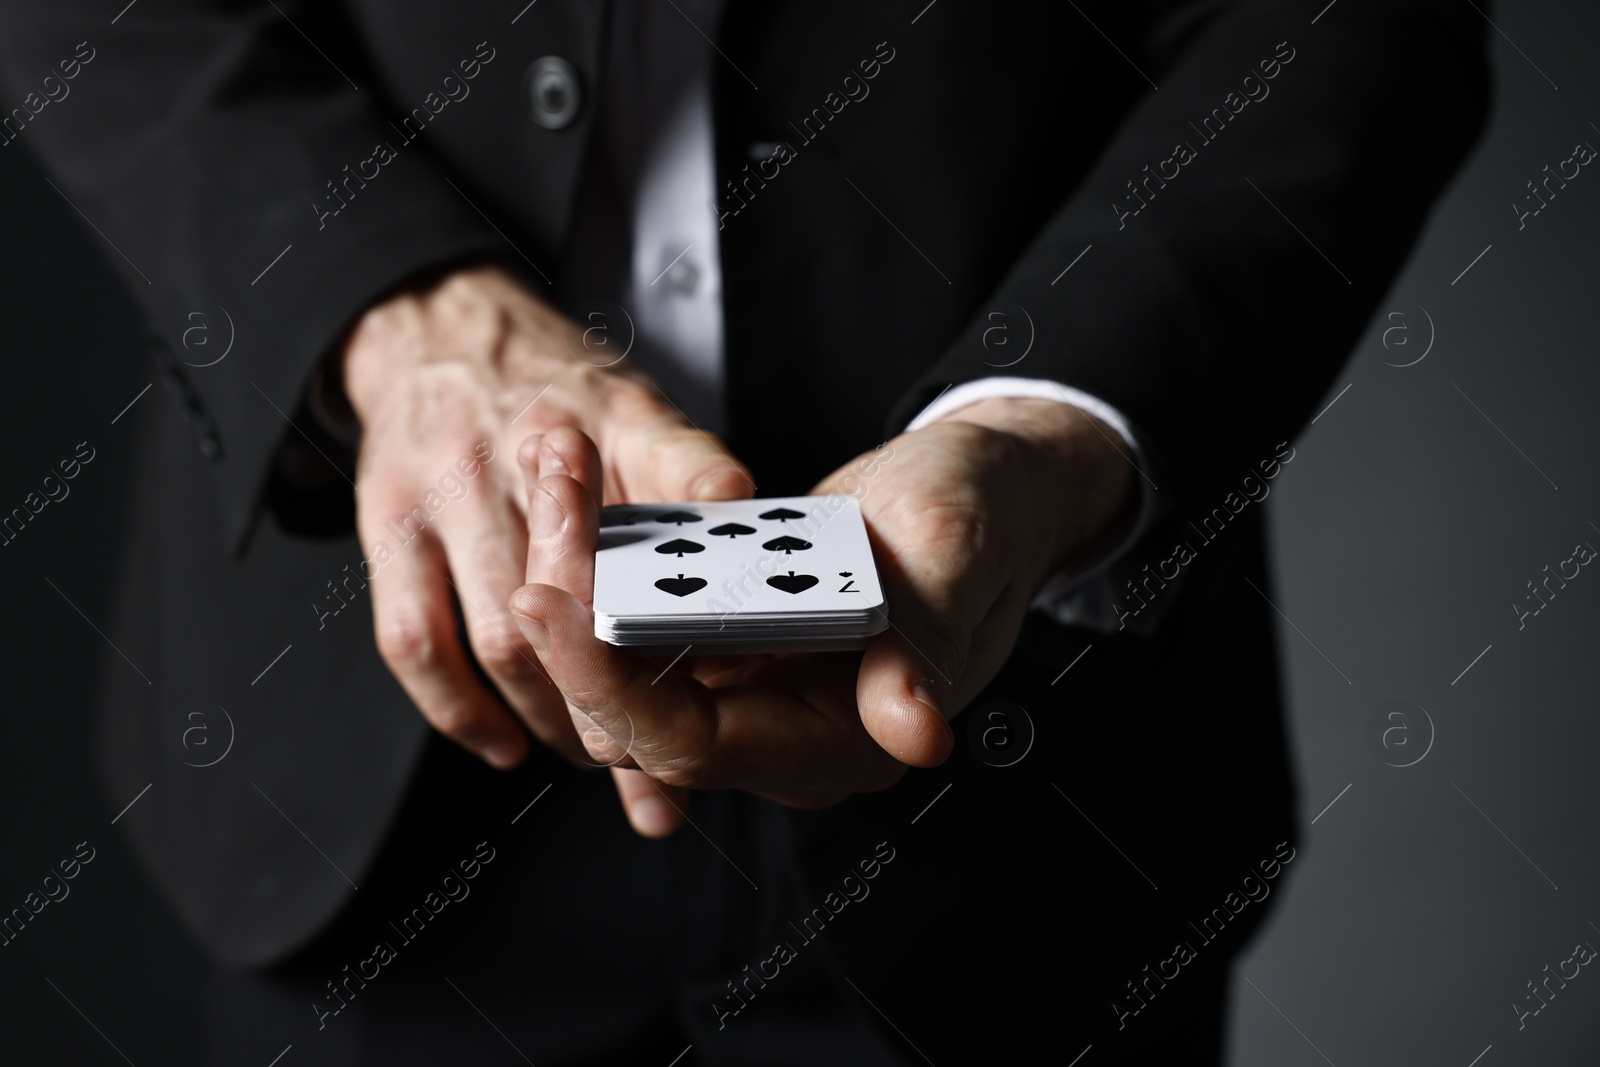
x=498, y=654
x=664, y=447
x=455, y=720
x=600, y=746
x=949, y=653
x=682, y=774
x=953, y=522
x=690, y=770
x=726, y=479
x=610, y=387
x=595, y=702
x=406, y=642
x=685, y=444
x=380, y=490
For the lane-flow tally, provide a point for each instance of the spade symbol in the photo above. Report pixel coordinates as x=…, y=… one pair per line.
x=786, y=544
x=679, y=547
x=845, y=588
x=792, y=582
x=681, y=586
x=729, y=530
x=783, y=514
x=678, y=517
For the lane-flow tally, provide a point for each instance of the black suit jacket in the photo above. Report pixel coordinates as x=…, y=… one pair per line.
x=1228, y=234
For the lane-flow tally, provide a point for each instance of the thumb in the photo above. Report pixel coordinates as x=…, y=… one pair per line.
x=654, y=808
x=904, y=690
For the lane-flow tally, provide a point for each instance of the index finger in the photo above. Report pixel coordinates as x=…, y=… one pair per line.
x=802, y=737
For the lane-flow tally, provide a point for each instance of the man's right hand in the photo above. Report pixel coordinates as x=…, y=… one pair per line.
x=475, y=367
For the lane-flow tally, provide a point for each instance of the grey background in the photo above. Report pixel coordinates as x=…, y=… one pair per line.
x=1403, y=531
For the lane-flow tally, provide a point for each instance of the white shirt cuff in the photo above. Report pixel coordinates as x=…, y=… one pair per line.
x=1084, y=596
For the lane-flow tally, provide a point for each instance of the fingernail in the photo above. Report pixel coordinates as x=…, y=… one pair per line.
x=503, y=755
x=528, y=458
x=550, y=462
x=923, y=694
x=548, y=518
x=650, y=815
x=534, y=631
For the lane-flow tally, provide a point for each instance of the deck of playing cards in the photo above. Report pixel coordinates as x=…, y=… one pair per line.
x=737, y=576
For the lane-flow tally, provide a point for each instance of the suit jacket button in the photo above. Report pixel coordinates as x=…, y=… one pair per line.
x=554, y=93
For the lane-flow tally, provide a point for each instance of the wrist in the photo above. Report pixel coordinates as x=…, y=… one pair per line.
x=472, y=310
x=1077, y=474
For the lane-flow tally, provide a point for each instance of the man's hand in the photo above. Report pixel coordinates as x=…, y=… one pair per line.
x=968, y=517
x=478, y=368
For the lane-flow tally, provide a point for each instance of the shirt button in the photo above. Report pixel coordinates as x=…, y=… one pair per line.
x=554, y=95
x=678, y=274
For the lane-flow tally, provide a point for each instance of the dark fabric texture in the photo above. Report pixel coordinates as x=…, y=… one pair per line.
x=990, y=149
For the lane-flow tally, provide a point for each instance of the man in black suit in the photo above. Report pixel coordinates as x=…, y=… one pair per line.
x=1185, y=211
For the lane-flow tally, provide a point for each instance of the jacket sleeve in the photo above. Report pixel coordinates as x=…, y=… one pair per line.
x=196, y=138
x=1239, y=229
